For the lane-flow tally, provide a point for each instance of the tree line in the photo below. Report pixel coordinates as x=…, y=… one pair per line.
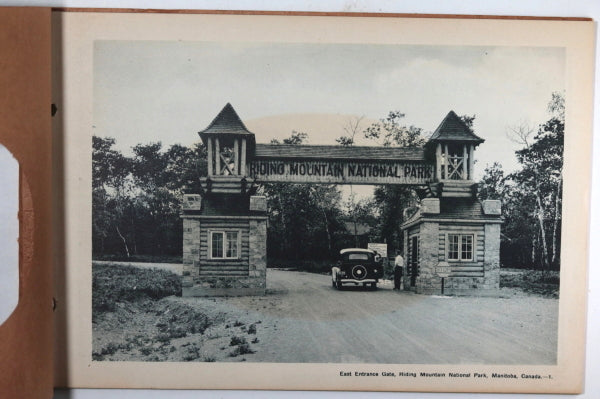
x=136, y=199
x=531, y=196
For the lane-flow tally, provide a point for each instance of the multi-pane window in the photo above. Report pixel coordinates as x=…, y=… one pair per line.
x=232, y=244
x=460, y=247
x=224, y=244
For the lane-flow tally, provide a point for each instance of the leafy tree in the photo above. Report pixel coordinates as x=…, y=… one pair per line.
x=468, y=120
x=532, y=196
x=363, y=211
x=389, y=131
x=492, y=184
x=391, y=200
x=542, y=163
x=295, y=138
x=355, y=211
x=303, y=218
x=110, y=192
x=137, y=200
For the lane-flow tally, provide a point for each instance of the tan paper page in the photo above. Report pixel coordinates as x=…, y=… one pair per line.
x=82, y=42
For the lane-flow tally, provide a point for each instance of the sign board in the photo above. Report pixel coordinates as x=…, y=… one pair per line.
x=341, y=171
x=381, y=249
x=443, y=269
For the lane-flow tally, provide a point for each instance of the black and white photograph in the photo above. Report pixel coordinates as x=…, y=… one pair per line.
x=314, y=202
x=326, y=203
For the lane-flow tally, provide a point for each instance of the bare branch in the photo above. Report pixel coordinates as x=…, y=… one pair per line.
x=351, y=126
x=520, y=133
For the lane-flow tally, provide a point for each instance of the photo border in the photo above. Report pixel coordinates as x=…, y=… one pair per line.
x=78, y=30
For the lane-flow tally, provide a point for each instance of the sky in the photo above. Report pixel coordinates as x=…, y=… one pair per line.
x=148, y=91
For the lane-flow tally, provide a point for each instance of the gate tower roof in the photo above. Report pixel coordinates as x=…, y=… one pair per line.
x=228, y=126
x=453, y=128
x=227, y=122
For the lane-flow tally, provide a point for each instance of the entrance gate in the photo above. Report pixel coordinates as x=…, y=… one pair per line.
x=225, y=224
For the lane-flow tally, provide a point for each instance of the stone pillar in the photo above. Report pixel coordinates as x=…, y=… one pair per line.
x=258, y=253
x=191, y=238
x=191, y=250
x=428, y=282
x=491, y=262
x=257, y=245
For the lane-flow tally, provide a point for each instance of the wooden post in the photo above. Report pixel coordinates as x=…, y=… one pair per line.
x=243, y=160
x=209, y=144
x=465, y=165
x=438, y=161
x=236, y=157
x=471, y=160
x=446, y=162
x=217, y=157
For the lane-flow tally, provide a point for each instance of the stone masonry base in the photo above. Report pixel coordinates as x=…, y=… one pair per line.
x=224, y=286
x=456, y=285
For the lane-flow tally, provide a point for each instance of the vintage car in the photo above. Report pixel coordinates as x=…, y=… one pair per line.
x=357, y=266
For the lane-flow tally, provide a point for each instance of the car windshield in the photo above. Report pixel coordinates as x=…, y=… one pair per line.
x=358, y=256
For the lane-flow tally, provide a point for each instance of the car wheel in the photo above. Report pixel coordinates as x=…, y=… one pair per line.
x=359, y=272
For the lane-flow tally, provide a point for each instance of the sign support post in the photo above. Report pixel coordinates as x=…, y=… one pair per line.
x=443, y=271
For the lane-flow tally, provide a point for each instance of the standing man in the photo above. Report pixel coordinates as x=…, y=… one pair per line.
x=398, y=270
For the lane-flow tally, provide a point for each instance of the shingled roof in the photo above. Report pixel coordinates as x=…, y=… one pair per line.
x=227, y=122
x=462, y=208
x=338, y=152
x=453, y=128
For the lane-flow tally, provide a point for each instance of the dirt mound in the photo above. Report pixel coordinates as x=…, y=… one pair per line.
x=178, y=318
x=113, y=284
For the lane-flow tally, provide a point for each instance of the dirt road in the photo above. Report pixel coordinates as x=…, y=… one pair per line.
x=303, y=319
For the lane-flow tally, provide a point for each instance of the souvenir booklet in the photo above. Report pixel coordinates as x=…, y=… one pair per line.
x=297, y=201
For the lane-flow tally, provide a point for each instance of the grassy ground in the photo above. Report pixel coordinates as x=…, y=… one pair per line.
x=543, y=283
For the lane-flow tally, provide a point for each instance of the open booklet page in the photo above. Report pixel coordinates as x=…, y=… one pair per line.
x=322, y=202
